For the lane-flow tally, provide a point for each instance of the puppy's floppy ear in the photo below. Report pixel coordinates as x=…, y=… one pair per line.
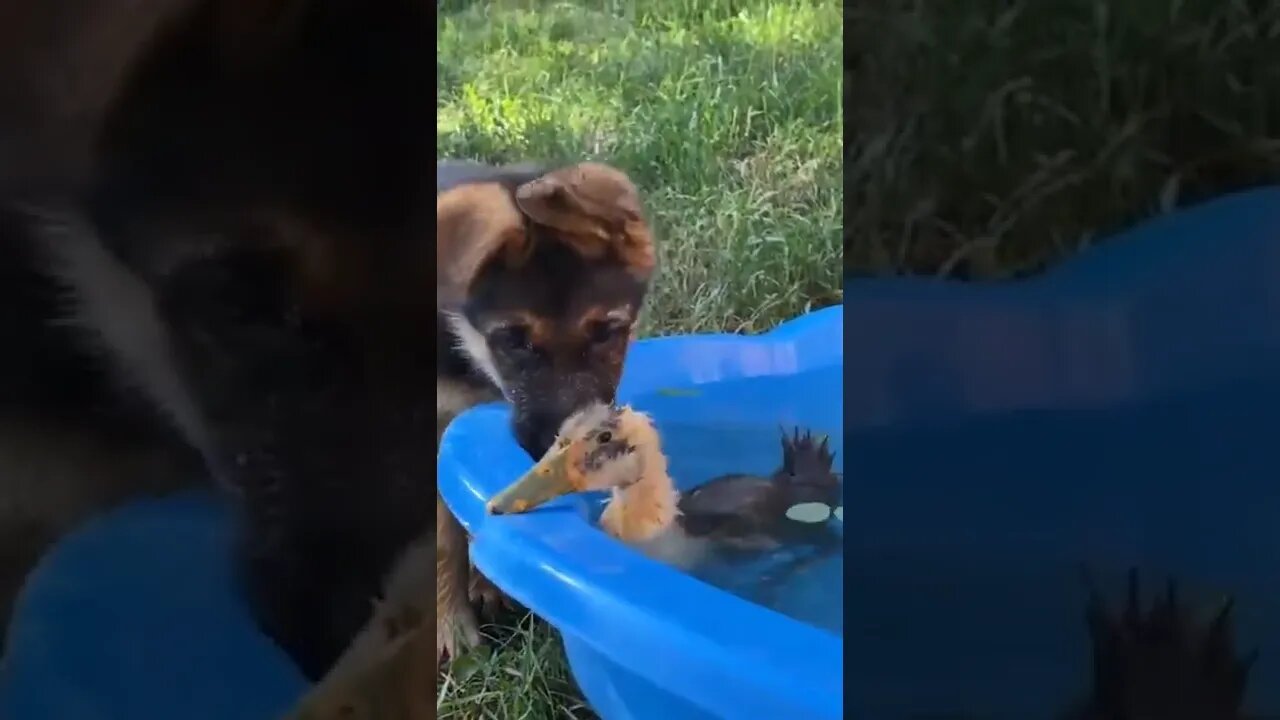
x=596, y=209
x=474, y=223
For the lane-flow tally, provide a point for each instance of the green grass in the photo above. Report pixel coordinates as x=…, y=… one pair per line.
x=522, y=673
x=991, y=138
x=727, y=115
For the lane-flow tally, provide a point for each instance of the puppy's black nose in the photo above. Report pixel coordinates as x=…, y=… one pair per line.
x=536, y=434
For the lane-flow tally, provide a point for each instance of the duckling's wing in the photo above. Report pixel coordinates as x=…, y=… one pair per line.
x=728, y=504
x=728, y=495
x=715, y=525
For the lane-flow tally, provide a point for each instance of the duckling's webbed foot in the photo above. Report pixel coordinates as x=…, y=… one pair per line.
x=1161, y=662
x=806, y=475
x=803, y=456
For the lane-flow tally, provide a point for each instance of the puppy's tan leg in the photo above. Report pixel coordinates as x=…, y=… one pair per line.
x=383, y=673
x=482, y=592
x=456, y=624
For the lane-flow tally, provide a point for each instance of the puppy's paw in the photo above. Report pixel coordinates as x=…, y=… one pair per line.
x=483, y=593
x=456, y=631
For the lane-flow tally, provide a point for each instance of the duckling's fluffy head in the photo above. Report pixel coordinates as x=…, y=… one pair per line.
x=601, y=447
x=605, y=445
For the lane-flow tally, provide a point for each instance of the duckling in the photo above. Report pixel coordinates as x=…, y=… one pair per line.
x=1161, y=664
x=753, y=513
x=604, y=447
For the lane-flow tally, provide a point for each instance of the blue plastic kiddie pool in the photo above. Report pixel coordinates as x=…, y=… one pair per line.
x=135, y=617
x=644, y=640
x=1122, y=410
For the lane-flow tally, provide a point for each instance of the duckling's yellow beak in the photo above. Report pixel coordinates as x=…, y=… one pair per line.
x=550, y=478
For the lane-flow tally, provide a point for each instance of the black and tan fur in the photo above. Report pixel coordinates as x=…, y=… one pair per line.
x=219, y=275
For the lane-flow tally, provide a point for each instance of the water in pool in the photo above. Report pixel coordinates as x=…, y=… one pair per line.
x=704, y=437
x=800, y=580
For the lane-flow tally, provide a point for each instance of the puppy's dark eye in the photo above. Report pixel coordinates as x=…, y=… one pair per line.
x=605, y=436
x=599, y=333
x=232, y=289
x=511, y=337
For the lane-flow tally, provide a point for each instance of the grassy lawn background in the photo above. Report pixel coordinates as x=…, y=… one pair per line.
x=727, y=115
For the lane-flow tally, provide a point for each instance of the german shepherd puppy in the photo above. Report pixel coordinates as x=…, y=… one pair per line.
x=540, y=280
x=234, y=290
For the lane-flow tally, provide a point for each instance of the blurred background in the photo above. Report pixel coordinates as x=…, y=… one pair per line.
x=989, y=139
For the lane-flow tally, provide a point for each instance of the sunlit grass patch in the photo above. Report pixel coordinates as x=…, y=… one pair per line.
x=727, y=115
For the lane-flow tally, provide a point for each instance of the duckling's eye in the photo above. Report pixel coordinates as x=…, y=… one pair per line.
x=605, y=436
